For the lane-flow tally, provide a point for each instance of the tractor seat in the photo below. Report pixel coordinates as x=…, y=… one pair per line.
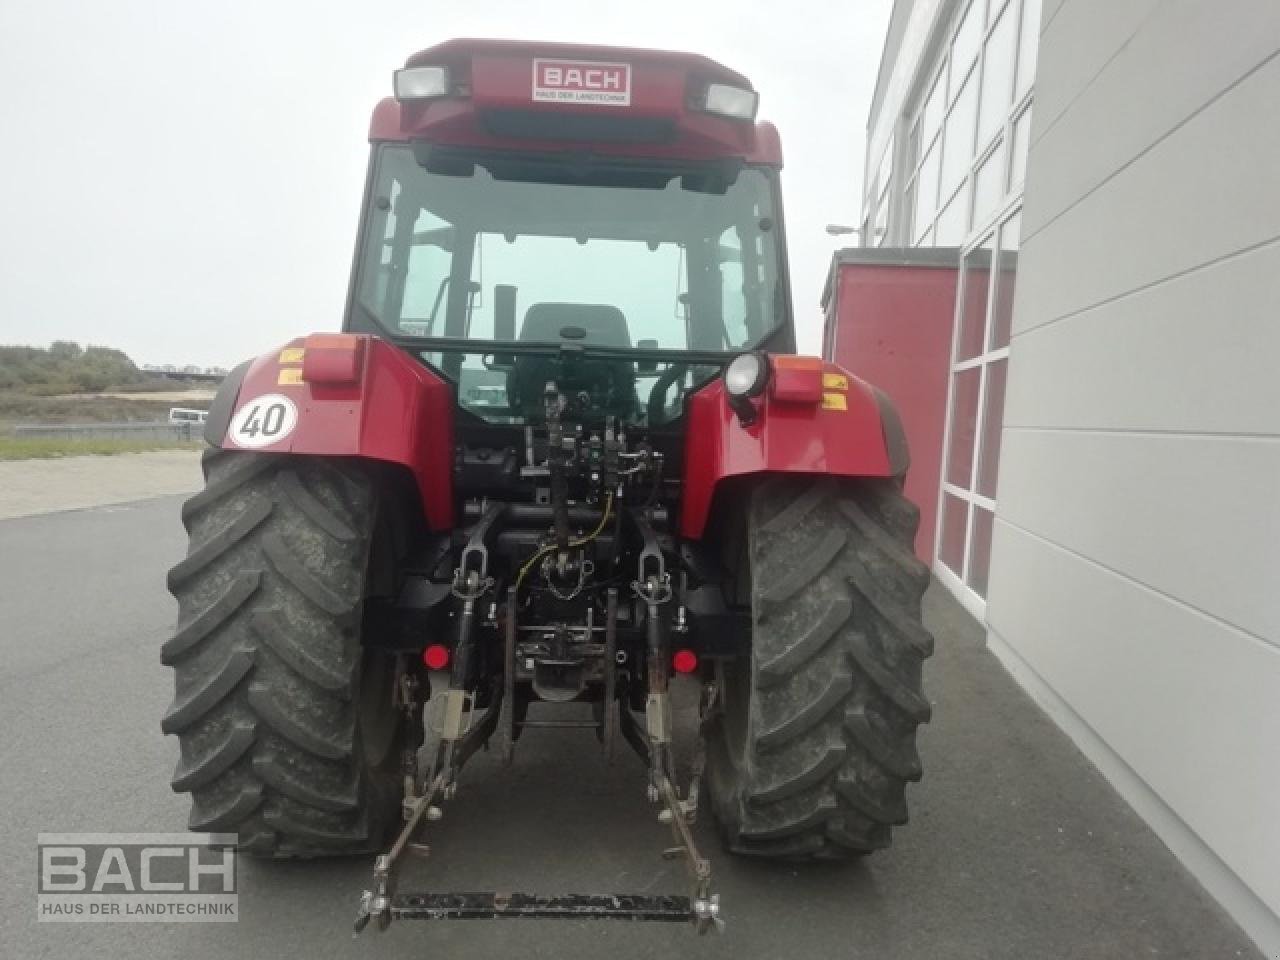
x=605, y=325
x=597, y=387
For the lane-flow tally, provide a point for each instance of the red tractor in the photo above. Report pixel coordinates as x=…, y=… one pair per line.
x=563, y=453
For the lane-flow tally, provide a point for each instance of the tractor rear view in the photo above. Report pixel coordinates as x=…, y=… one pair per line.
x=563, y=453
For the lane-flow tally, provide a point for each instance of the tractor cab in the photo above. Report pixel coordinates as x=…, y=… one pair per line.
x=604, y=219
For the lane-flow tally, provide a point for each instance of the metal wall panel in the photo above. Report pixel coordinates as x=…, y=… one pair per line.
x=1202, y=193
x=1140, y=97
x=1180, y=711
x=1137, y=547
x=1197, y=354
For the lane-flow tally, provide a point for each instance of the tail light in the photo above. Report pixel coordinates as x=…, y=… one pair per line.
x=797, y=380
x=332, y=358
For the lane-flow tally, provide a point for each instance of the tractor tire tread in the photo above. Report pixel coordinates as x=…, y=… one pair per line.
x=267, y=658
x=827, y=743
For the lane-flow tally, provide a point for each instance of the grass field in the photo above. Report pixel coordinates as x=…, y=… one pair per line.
x=32, y=448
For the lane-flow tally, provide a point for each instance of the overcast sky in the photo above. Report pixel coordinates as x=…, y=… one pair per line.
x=182, y=180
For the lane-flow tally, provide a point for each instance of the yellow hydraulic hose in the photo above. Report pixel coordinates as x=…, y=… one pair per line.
x=608, y=508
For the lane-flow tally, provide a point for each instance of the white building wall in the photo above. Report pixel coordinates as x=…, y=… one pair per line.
x=1135, y=579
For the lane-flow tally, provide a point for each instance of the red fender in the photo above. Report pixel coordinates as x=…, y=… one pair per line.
x=815, y=417
x=360, y=396
x=353, y=396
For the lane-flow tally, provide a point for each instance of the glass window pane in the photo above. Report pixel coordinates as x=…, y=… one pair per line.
x=1021, y=140
x=955, y=518
x=964, y=422
x=997, y=78
x=992, y=422
x=980, y=551
x=908, y=213
x=931, y=117
x=1006, y=277
x=988, y=186
x=958, y=148
x=426, y=274
x=411, y=255
x=881, y=227
x=1028, y=46
x=951, y=221
x=734, y=305
x=886, y=164
x=927, y=189
x=973, y=307
x=964, y=48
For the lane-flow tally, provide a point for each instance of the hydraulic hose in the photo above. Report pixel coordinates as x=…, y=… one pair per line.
x=604, y=519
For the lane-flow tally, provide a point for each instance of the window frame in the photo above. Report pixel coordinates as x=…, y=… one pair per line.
x=777, y=334
x=912, y=232
x=913, y=144
x=958, y=581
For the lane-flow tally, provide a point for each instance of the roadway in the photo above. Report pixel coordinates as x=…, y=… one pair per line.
x=1017, y=847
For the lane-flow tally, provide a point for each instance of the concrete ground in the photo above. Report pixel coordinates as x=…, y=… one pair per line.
x=30, y=487
x=1017, y=848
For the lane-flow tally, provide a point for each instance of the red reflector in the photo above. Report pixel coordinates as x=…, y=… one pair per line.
x=685, y=661
x=436, y=656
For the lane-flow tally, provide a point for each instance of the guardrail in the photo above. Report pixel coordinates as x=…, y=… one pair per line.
x=159, y=430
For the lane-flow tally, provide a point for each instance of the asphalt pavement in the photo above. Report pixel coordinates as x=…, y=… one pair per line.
x=1017, y=847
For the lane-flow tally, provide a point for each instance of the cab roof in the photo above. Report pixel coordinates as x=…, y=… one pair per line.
x=547, y=97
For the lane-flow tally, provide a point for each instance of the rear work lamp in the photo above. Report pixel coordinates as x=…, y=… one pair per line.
x=745, y=378
x=421, y=83
x=727, y=101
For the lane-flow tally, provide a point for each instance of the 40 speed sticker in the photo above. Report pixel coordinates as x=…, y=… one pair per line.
x=263, y=421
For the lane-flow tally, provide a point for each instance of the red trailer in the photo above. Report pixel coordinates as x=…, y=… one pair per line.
x=889, y=316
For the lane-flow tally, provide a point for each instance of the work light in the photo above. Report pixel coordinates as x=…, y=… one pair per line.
x=421, y=83
x=730, y=101
x=745, y=377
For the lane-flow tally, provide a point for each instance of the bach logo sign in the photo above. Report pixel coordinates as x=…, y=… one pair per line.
x=582, y=81
x=137, y=878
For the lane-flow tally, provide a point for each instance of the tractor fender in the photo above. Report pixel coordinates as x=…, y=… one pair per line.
x=343, y=395
x=850, y=430
x=224, y=404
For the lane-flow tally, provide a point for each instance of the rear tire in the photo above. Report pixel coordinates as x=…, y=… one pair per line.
x=814, y=742
x=287, y=728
